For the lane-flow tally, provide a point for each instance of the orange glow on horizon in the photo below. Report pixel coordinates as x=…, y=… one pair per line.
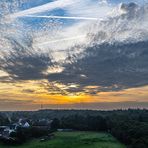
x=37, y=92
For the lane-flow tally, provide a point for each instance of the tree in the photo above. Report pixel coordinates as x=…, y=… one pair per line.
x=55, y=124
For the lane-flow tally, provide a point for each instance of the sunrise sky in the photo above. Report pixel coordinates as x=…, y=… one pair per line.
x=85, y=54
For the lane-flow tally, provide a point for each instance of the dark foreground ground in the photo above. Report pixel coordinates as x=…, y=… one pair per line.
x=130, y=127
x=74, y=140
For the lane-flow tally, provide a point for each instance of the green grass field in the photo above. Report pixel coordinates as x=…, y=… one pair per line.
x=74, y=140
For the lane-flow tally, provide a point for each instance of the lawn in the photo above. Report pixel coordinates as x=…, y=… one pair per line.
x=74, y=140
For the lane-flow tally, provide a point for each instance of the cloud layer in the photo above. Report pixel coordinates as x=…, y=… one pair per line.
x=107, y=54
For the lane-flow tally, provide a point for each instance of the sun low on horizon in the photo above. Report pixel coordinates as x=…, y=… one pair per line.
x=65, y=54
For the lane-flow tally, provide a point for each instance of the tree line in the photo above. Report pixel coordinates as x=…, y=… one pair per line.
x=128, y=126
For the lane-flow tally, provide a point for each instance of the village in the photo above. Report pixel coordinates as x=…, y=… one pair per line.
x=15, y=132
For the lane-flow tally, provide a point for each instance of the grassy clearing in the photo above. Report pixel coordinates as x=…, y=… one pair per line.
x=74, y=140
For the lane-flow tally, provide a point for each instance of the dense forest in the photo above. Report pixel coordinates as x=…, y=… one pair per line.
x=128, y=126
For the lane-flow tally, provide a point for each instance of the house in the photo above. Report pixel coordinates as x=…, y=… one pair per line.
x=2, y=128
x=23, y=123
x=5, y=131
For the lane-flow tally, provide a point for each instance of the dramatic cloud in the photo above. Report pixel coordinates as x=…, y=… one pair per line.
x=91, y=47
x=112, y=66
x=116, y=57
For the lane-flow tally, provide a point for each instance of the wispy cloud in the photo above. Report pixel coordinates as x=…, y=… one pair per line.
x=90, y=8
x=60, y=40
x=62, y=17
x=46, y=7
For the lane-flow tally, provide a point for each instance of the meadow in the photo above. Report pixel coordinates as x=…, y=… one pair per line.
x=74, y=140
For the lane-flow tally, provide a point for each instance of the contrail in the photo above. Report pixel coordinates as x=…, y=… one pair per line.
x=62, y=17
x=60, y=40
x=46, y=7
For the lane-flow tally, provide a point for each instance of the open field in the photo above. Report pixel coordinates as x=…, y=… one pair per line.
x=74, y=140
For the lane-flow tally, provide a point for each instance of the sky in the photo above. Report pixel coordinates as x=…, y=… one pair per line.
x=82, y=54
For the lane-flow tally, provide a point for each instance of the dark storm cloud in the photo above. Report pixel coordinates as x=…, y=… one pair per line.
x=117, y=56
x=23, y=63
x=112, y=66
